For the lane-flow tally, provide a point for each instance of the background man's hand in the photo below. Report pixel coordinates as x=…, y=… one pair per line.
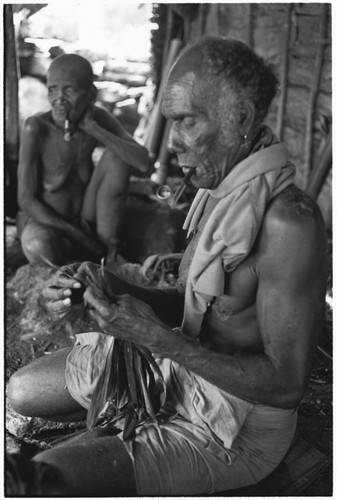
x=87, y=120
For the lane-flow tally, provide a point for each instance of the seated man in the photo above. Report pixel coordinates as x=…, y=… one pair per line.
x=69, y=209
x=236, y=338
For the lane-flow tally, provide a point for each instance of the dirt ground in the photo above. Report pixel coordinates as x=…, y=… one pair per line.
x=24, y=344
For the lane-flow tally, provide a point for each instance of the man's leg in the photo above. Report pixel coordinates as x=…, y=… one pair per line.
x=89, y=464
x=96, y=467
x=39, y=389
x=40, y=243
x=105, y=198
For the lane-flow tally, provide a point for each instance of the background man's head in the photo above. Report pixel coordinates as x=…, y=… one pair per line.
x=73, y=67
x=70, y=87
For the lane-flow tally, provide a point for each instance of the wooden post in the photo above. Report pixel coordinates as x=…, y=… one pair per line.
x=284, y=71
x=251, y=26
x=162, y=164
x=156, y=122
x=314, y=90
x=11, y=68
x=319, y=174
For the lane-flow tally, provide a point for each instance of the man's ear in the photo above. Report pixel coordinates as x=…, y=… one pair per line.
x=92, y=93
x=247, y=115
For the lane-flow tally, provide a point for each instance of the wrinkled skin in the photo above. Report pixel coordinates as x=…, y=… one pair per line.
x=131, y=315
x=70, y=209
x=67, y=97
x=258, y=339
x=204, y=135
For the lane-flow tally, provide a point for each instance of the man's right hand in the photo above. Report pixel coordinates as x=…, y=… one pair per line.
x=68, y=286
x=61, y=292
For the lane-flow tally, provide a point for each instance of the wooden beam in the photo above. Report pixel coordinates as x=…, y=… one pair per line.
x=11, y=87
x=284, y=71
x=317, y=72
x=11, y=125
x=319, y=174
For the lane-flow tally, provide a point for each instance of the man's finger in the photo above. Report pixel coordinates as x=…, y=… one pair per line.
x=56, y=293
x=108, y=311
x=59, y=305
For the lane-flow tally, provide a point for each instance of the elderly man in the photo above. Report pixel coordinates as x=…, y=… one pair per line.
x=69, y=209
x=246, y=313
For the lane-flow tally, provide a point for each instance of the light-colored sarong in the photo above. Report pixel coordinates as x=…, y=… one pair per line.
x=211, y=441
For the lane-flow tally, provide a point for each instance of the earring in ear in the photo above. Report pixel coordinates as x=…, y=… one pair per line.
x=246, y=142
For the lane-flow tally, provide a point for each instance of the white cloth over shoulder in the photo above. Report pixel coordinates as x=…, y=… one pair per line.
x=231, y=230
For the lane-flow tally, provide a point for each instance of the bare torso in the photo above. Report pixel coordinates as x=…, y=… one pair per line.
x=231, y=324
x=64, y=168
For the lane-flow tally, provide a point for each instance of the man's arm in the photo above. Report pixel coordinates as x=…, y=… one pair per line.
x=105, y=129
x=290, y=308
x=32, y=135
x=166, y=304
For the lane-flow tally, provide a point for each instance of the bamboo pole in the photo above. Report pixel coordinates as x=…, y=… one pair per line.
x=11, y=124
x=251, y=26
x=168, y=33
x=284, y=71
x=157, y=120
x=319, y=174
x=162, y=164
x=314, y=90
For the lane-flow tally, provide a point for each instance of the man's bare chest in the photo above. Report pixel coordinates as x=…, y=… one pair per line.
x=230, y=322
x=65, y=163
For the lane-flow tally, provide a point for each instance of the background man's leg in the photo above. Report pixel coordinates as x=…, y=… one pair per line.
x=40, y=243
x=105, y=198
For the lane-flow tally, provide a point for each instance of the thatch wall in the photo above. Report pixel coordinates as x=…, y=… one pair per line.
x=296, y=38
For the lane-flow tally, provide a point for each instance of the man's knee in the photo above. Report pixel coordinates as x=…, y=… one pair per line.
x=19, y=391
x=114, y=170
x=42, y=245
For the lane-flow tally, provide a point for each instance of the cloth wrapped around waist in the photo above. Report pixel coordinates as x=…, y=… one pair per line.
x=220, y=414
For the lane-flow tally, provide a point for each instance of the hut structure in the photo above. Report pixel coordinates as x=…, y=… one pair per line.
x=296, y=39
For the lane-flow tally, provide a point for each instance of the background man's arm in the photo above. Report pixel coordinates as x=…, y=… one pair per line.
x=28, y=186
x=106, y=130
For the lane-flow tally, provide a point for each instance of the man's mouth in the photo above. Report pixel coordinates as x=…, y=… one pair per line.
x=187, y=170
x=62, y=109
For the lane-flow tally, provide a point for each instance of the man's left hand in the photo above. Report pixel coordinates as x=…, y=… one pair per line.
x=87, y=121
x=127, y=318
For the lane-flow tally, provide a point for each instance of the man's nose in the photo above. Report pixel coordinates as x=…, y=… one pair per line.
x=174, y=143
x=60, y=95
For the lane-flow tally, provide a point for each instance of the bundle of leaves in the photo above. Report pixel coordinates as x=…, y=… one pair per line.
x=131, y=385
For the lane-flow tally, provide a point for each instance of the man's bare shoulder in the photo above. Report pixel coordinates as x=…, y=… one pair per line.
x=293, y=208
x=293, y=232
x=38, y=122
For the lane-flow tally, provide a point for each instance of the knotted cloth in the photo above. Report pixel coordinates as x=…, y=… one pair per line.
x=231, y=230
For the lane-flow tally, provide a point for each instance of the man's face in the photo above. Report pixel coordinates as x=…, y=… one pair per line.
x=65, y=95
x=204, y=133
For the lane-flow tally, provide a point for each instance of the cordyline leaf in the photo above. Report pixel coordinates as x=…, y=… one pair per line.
x=128, y=357
x=142, y=378
x=100, y=394
x=127, y=387
x=131, y=420
x=122, y=395
x=148, y=357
